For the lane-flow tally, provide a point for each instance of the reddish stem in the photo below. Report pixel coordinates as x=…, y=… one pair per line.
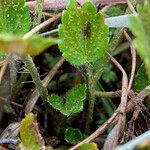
x=61, y=4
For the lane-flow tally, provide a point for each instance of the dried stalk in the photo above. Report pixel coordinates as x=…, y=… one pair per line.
x=133, y=54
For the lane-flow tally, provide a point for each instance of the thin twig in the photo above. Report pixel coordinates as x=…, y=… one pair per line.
x=42, y=25
x=8, y=140
x=49, y=32
x=113, y=137
x=99, y=131
x=133, y=54
x=112, y=94
x=124, y=85
x=131, y=7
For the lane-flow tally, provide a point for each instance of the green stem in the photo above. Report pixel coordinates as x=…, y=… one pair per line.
x=91, y=99
x=35, y=76
x=38, y=12
x=28, y=61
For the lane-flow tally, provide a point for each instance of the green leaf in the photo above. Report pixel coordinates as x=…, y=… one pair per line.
x=108, y=75
x=83, y=34
x=141, y=79
x=14, y=17
x=30, y=137
x=74, y=100
x=32, y=46
x=140, y=26
x=116, y=10
x=56, y=102
x=88, y=146
x=73, y=135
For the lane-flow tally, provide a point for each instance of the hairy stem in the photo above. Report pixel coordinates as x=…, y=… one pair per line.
x=38, y=12
x=91, y=99
x=35, y=76
x=112, y=94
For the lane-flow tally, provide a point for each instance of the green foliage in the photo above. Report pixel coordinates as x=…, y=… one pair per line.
x=140, y=26
x=14, y=17
x=14, y=22
x=29, y=134
x=83, y=34
x=108, y=75
x=32, y=46
x=88, y=146
x=74, y=100
x=141, y=79
x=73, y=136
x=116, y=10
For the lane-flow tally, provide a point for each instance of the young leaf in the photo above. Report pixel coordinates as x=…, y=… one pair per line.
x=30, y=136
x=88, y=146
x=74, y=100
x=83, y=34
x=73, y=135
x=32, y=46
x=140, y=26
x=141, y=79
x=14, y=17
x=108, y=75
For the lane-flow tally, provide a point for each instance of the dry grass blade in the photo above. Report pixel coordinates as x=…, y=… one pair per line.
x=42, y=25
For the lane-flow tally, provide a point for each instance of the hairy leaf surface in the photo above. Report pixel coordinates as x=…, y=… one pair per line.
x=73, y=135
x=74, y=100
x=83, y=34
x=14, y=17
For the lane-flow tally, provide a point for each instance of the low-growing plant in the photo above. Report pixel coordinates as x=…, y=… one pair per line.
x=87, y=44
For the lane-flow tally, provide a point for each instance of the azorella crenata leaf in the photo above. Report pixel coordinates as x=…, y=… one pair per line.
x=83, y=34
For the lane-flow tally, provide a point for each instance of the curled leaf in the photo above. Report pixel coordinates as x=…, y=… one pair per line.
x=30, y=136
x=32, y=46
